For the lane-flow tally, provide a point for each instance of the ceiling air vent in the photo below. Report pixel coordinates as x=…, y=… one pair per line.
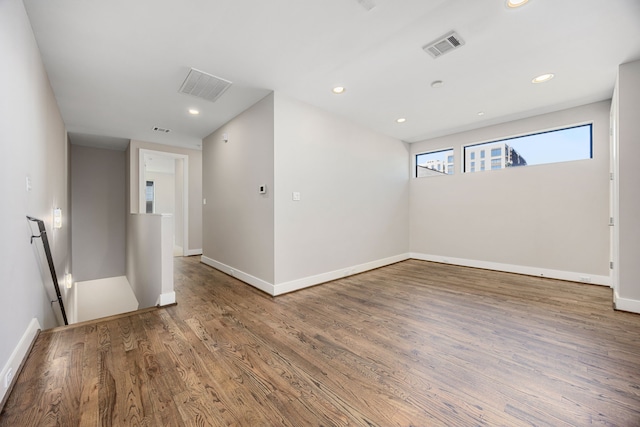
x=367, y=4
x=203, y=85
x=443, y=44
x=159, y=129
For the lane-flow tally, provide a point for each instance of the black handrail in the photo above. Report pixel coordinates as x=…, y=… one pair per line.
x=52, y=269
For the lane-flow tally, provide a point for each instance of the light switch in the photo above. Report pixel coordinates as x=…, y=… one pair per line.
x=296, y=196
x=204, y=201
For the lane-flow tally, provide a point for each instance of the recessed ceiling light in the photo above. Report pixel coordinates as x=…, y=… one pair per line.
x=437, y=83
x=193, y=111
x=516, y=3
x=338, y=90
x=401, y=120
x=542, y=78
x=481, y=113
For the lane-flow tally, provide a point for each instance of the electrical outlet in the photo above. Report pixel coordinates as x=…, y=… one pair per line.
x=8, y=378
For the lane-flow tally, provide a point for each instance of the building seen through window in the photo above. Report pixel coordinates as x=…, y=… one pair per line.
x=502, y=156
x=554, y=146
x=561, y=145
x=435, y=163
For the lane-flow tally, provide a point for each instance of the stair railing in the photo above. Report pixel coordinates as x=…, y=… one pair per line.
x=52, y=269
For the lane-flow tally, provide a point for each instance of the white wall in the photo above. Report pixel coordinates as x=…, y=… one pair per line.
x=550, y=217
x=165, y=191
x=237, y=220
x=354, y=207
x=195, y=185
x=34, y=141
x=103, y=298
x=178, y=215
x=628, y=297
x=150, y=258
x=99, y=212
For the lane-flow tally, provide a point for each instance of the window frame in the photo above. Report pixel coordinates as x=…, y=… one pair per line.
x=445, y=161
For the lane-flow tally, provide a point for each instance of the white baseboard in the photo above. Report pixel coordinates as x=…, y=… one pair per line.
x=519, y=269
x=305, y=282
x=192, y=252
x=19, y=354
x=626, y=304
x=167, y=298
x=263, y=285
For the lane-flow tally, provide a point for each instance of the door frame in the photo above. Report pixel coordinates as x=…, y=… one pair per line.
x=185, y=190
x=614, y=194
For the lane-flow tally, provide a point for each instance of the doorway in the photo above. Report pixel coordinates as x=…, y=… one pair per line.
x=164, y=179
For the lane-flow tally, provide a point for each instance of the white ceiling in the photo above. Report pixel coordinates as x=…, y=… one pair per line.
x=116, y=66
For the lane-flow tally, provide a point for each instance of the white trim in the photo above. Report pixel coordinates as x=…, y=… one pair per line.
x=245, y=277
x=626, y=304
x=166, y=299
x=185, y=189
x=74, y=310
x=167, y=240
x=191, y=252
x=305, y=282
x=19, y=354
x=614, y=187
x=519, y=269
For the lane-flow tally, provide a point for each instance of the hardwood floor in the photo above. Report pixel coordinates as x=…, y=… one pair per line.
x=412, y=344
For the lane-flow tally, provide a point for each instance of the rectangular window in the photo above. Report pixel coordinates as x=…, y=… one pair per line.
x=560, y=145
x=149, y=196
x=435, y=163
x=496, y=164
x=472, y=155
x=482, y=164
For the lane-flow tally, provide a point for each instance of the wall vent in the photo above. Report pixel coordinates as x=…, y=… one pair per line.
x=444, y=44
x=159, y=129
x=204, y=85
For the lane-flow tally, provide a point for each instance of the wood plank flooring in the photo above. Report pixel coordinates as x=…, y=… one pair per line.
x=412, y=344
